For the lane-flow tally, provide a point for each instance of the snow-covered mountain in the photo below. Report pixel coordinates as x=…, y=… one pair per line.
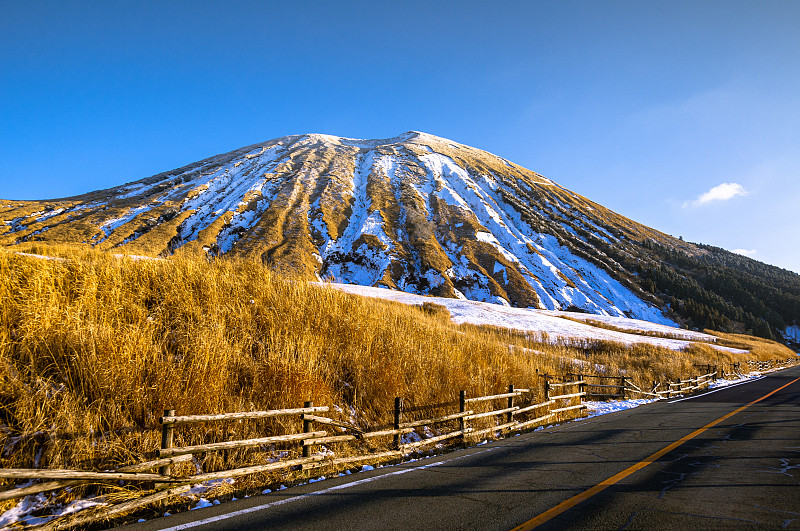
x=416, y=213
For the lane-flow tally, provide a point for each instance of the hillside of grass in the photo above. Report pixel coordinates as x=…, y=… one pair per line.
x=94, y=347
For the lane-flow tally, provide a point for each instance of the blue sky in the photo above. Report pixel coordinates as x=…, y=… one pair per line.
x=684, y=116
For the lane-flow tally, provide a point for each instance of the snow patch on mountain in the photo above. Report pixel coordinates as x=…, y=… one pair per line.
x=552, y=268
x=340, y=254
x=113, y=224
x=550, y=323
x=225, y=189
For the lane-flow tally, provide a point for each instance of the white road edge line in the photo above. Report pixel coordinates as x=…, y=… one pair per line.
x=257, y=508
x=718, y=389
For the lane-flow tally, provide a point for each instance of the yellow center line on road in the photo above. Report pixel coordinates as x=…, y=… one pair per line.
x=588, y=493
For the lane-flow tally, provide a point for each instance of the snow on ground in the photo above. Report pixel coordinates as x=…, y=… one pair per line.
x=725, y=382
x=532, y=320
x=595, y=408
x=26, y=511
x=638, y=324
x=41, y=256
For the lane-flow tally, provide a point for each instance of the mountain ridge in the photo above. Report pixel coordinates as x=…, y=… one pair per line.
x=414, y=212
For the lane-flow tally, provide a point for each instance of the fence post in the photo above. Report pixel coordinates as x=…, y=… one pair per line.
x=166, y=438
x=546, y=389
x=623, y=387
x=398, y=409
x=510, y=414
x=308, y=427
x=582, y=388
x=462, y=407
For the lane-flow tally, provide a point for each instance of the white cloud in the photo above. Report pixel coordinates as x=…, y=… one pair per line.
x=744, y=252
x=722, y=192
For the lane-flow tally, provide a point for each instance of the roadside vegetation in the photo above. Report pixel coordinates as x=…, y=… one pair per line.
x=93, y=349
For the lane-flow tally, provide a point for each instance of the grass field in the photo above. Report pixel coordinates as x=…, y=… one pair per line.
x=93, y=349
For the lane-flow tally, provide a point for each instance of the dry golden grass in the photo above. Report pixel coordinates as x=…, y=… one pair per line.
x=644, y=363
x=94, y=348
x=760, y=348
x=101, y=345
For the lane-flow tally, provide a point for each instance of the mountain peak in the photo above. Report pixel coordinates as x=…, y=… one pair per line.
x=408, y=136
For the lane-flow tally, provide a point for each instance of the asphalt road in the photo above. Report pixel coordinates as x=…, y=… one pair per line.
x=741, y=473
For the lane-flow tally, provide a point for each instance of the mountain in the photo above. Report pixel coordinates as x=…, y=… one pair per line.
x=421, y=214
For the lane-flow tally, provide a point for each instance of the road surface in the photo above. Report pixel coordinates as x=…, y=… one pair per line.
x=715, y=461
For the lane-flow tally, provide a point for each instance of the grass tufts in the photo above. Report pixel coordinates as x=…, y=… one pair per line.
x=94, y=348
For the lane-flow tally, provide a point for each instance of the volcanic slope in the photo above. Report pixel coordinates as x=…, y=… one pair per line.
x=416, y=213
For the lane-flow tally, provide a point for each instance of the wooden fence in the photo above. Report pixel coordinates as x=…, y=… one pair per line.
x=766, y=365
x=493, y=415
x=736, y=369
x=472, y=418
x=681, y=387
x=603, y=387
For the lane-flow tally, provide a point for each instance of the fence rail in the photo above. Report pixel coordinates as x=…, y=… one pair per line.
x=498, y=417
x=193, y=419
